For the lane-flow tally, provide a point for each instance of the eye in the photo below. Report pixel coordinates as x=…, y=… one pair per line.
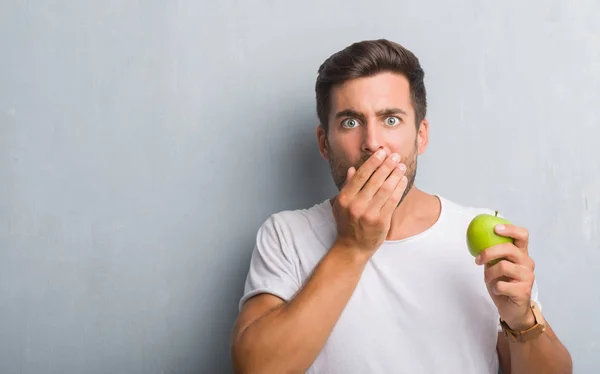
x=350, y=123
x=392, y=121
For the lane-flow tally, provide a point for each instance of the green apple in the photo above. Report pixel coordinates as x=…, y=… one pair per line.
x=481, y=234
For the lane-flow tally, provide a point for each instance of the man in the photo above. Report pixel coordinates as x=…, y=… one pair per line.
x=378, y=279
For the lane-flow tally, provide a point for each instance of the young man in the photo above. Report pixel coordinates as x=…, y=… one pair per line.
x=378, y=279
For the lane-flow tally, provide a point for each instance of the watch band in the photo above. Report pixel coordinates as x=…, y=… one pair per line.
x=532, y=332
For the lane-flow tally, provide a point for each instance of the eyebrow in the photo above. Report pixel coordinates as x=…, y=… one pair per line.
x=348, y=113
x=388, y=111
x=382, y=112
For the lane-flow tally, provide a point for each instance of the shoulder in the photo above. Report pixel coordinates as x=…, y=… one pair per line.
x=298, y=222
x=460, y=212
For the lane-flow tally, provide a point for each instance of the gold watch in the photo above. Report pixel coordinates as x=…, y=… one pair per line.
x=532, y=332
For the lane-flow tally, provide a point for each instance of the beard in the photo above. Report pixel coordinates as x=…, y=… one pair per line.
x=339, y=168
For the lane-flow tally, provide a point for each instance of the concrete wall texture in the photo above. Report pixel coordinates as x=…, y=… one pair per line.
x=143, y=143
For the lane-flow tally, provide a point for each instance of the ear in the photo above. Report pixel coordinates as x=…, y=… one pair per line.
x=322, y=141
x=423, y=136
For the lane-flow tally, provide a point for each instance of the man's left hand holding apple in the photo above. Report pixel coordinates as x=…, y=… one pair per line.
x=510, y=280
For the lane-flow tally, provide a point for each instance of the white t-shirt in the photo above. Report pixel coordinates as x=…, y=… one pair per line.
x=421, y=305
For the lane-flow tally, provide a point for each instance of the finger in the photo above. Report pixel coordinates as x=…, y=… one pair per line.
x=506, y=270
x=515, y=290
x=386, y=190
x=507, y=251
x=363, y=173
x=393, y=201
x=519, y=234
x=379, y=177
x=349, y=174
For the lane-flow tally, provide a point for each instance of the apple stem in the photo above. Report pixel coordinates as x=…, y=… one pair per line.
x=496, y=215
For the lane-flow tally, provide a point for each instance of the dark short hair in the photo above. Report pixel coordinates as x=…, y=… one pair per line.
x=365, y=59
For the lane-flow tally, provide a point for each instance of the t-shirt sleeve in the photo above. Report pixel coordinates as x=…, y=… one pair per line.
x=534, y=297
x=272, y=268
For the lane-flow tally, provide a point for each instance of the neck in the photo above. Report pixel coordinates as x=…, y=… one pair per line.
x=415, y=214
x=407, y=206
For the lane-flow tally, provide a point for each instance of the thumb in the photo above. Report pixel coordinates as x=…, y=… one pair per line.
x=350, y=174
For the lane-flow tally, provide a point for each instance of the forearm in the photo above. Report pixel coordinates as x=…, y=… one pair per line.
x=545, y=354
x=290, y=337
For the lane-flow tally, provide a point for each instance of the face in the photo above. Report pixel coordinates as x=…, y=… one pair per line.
x=368, y=114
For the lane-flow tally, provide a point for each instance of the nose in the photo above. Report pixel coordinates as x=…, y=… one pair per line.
x=371, y=141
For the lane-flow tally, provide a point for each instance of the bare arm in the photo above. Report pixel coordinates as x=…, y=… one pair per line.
x=271, y=336
x=545, y=354
x=510, y=283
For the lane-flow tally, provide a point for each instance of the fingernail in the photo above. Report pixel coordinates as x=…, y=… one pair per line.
x=404, y=179
x=380, y=154
x=402, y=167
x=396, y=157
x=478, y=260
x=500, y=227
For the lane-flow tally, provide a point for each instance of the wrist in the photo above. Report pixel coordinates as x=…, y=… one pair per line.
x=350, y=253
x=526, y=322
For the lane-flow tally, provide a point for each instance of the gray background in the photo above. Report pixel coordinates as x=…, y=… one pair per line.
x=143, y=143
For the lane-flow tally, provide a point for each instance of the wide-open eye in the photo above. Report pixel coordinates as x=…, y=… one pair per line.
x=392, y=121
x=350, y=123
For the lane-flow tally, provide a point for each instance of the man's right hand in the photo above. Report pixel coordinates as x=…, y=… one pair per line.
x=275, y=336
x=363, y=209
